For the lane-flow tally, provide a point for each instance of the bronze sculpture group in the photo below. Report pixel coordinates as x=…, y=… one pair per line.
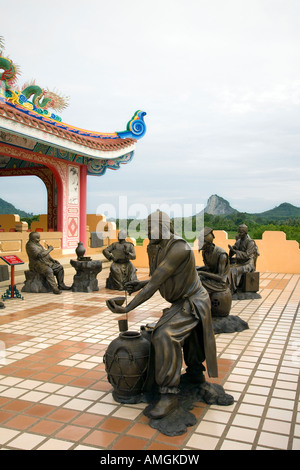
x=185, y=326
x=185, y=330
x=222, y=273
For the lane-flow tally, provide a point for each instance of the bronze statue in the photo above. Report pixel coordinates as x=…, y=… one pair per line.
x=243, y=255
x=215, y=274
x=186, y=324
x=122, y=269
x=41, y=262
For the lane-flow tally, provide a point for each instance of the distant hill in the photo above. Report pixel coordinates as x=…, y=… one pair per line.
x=216, y=205
x=283, y=211
x=8, y=208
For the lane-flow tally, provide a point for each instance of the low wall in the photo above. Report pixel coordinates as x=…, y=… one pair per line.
x=277, y=254
x=14, y=243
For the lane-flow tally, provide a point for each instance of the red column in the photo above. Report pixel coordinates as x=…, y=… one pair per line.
x=82, y=213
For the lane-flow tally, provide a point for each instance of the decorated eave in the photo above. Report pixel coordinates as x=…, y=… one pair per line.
x=25, y=121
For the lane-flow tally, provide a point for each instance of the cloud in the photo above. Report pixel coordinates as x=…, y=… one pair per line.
x=219, y=82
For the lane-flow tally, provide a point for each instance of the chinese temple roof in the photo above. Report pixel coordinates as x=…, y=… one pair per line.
x=25, y=116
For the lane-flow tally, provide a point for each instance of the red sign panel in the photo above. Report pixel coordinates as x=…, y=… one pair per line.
x=12, y=260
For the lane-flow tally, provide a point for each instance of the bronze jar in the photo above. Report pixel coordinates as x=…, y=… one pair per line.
x=221, y=303
x=126, y=362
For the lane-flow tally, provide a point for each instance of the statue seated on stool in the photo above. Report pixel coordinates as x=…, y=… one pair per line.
x=121, y=270
x=44, y=271
x=215, y=273
x=243, y=255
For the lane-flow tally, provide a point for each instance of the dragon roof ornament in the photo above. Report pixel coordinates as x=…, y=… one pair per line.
x=36, y=101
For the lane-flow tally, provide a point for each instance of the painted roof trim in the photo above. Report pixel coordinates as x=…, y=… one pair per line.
x=15, y=119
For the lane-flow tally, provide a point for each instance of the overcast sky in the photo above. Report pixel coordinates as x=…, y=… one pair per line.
x=219, y=80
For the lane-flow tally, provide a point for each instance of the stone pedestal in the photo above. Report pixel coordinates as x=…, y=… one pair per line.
x=4, y=274
x=35, y=282
x=85, y=279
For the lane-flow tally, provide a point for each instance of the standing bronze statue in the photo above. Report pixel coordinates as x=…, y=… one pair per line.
x=243, y=255
x=42, y=263
x=186, y=324
x=215, y=274
x=122, y=270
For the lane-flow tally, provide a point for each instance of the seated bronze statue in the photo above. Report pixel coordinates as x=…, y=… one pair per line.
x=42, y=263
x=243, y=255
x=121, y=270
x=215, y=274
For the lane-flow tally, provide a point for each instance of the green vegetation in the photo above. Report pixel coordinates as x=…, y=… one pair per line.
x=8, y=208
x=257, y=225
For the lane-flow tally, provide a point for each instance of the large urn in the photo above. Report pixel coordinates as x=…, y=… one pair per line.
x=221, y=303
x=126, y=361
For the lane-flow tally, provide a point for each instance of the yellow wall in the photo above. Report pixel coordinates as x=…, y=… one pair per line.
x=8, y=221
x=13, y=243
x=277, y=254
x=41, y=223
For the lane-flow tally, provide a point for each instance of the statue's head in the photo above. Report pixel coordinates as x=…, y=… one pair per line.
x=122, y=235
x=205, y=238
x=160, y=227
x=34, y=237
x=242, y=231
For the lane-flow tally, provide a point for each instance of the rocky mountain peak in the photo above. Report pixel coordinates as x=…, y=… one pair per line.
x=216, y=205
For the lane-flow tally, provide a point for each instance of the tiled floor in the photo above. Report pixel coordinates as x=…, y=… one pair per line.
x=54, y=393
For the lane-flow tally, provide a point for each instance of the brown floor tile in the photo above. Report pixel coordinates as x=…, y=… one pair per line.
x=100, y=438
x=102, y=386
x=63, y=415
x=75, y=371
x=83, y=382
x=13, y=339
x=40, y=410
x=115, y=424
x=72, y=433
x=4, y=400
x=20, y=422
x=88, y=419
x=141, y=430
x=17, y=405
x=5, y=416
x=46, y=427
x=62, y=379
x=56, y=369
x=23, y=373
x=130, y=443
x=44, y=376
x=160, y=446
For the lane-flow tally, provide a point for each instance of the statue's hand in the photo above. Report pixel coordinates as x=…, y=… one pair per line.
x=133, y=286
x=111, y=304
